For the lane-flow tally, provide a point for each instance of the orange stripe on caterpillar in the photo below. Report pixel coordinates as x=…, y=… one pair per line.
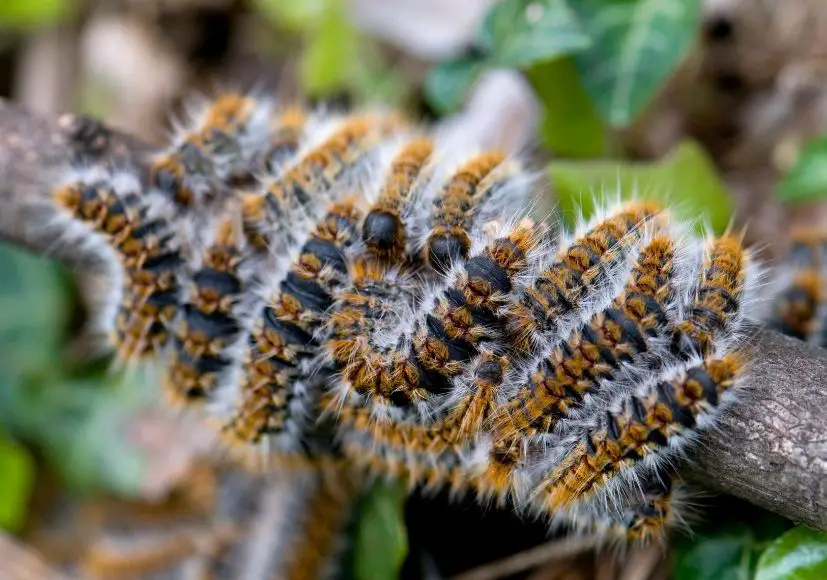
x=451, y=218
x=384, y=231
x=559, y=288
x=645, y=423
x=283, y=337
x=208, y=326
x=717, y=299
x=316, y=171
x=620, y=334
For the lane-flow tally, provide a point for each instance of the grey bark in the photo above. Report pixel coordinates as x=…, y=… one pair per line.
x=771, y=451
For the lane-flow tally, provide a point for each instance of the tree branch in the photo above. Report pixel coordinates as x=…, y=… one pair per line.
x=771, y=451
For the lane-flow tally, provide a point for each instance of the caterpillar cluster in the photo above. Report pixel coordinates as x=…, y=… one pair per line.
x=355, y=288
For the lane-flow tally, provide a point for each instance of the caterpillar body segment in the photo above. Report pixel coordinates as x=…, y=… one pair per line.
x=651, y=509
x=206, y=336
x=622, y=341
x=725, y=291
x=463, y=198
x=277, y=394
x=328, y=163
x=448, y=331
x=111, y=208
x=388, y=227
x=797, y=309
x=549, y=301
x=215, y=151
x=287, y=128
x=641, y=430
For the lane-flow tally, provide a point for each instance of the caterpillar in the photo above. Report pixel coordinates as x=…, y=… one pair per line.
x=218, y=149
x=209, y=325
x=276, y=396
x=797, y=308
x=655, y=420
x=333, y=152
x=109, y=210
x=536, y=315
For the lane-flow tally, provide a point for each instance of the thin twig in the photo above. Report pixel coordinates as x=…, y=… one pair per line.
x=529, y=559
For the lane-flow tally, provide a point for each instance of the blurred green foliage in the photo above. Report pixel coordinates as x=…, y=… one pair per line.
x=685, y=178
x=18, y=474
x=799, y=554
x=622, y=53
x=381, y=541
x=75, y=423
x=25, y=14
x=728, y=545
x=807, y=180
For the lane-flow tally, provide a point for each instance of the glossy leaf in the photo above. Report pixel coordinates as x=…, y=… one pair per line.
x=448, y=83
x=520, y=33
x=381, y=538
x=571, y=126
x=799, y=554
x=16, y=485
x=807, y=180
x=685, y=180
x=636, y=44
x=727, y=543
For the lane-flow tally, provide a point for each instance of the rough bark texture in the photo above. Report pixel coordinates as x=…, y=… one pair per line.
x=772, y=451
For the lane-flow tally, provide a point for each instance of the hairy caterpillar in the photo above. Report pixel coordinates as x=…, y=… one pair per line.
x=110, y=207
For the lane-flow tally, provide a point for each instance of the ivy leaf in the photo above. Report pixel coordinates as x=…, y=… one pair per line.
x=799, y=554
x=727, y=546
x=16, y=485
x=571, y=126
x=807, y=180
x=635, y=46
x=381, y=538
x=448, y=83
x=685, y=179
x=520, y=33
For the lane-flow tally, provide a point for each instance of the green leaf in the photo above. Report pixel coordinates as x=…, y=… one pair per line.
x=636, y=45
x=448, y=83
x=520, y=33
x=685, y=179
x=331, y=61
x=727, y=545
x=807, y=180
x=31, y=13
x=799, y=554
x=571, y=126
x=32, y=311
x=16, y=485
x=381, y=539
x=294, y=15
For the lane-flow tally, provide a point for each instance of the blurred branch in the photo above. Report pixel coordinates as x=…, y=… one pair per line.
x=772, y=451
